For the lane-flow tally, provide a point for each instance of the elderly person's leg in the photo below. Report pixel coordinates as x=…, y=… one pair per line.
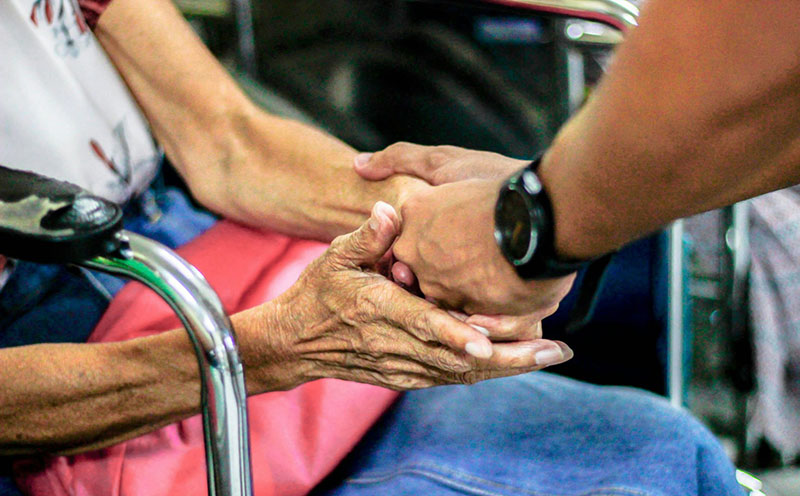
x=535, y=434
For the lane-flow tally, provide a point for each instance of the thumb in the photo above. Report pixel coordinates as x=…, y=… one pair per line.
x=399, y=158
x=366, y=245
x=372, y=167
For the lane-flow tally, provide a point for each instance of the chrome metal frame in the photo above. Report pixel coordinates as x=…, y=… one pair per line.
x=224, y=397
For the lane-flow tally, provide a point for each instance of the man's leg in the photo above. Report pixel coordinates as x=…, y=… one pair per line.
x=536, y=434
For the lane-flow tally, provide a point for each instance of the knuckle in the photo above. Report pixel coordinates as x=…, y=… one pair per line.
x=362, y=307
x=407, y=383
x=357, y=245
x=526, y=329
x=401, y=147
x=423, y=323
x=519, y=362
x=437, y=157
x=338, y=244
x=395, y=151
x=411, y=205
x=447, y=361
x=469, y=378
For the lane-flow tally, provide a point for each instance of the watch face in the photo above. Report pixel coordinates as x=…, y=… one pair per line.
x=514, y=227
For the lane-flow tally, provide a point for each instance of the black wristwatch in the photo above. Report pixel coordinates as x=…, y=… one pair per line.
x=524, y=228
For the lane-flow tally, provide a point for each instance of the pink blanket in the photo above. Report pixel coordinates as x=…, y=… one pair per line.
x=297, y=436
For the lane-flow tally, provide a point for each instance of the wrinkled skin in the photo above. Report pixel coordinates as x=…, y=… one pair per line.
x=349, y=322
x=448, y=235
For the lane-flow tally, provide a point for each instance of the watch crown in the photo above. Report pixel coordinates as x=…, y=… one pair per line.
x=531, y=182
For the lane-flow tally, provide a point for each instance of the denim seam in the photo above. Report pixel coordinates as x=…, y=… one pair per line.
x=451, y=480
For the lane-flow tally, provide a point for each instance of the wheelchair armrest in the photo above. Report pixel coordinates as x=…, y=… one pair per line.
x=49, y=221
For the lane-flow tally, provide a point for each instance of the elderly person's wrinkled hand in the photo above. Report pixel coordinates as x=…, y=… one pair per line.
x=448, y=244
x=343, y=319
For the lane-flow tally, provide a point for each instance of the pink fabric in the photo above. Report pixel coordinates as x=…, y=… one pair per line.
x=297, y=436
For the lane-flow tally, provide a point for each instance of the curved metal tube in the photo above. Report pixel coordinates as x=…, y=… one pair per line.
x=224, y=399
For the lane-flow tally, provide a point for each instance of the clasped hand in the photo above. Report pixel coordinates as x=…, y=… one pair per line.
x=447, y=244
x=344, y=319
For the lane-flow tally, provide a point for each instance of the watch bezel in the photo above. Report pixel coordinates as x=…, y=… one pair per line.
x=540, y=261
x=525, y=186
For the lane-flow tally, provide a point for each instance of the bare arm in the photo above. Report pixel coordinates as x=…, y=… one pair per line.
x=700, y=109
x=72, y=397
x=238, y=161
x=341, y=319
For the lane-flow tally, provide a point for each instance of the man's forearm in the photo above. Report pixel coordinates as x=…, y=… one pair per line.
x=240, y=162
x=699, y=110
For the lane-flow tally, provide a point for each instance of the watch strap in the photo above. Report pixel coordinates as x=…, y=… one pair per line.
x=543, y=262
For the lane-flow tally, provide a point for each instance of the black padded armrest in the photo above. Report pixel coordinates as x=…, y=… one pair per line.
x=48, y=221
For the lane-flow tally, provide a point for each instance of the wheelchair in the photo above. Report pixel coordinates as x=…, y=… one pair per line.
x=73, y=227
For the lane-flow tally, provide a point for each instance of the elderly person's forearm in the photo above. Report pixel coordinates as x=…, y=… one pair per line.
x=341, y=319
x=238, y=161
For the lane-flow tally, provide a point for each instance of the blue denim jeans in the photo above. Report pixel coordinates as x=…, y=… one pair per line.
x=535, y=435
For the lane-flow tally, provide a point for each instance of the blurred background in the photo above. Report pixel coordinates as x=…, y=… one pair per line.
x=707, y=312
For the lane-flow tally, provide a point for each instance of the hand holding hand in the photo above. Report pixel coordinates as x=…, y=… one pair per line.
x=440, y=165
x=344, y=320
x=448, y=242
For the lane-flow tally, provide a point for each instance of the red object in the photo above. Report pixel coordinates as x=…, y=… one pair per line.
x=92, y=9
x=48, y=11
x=297, y=436
x=98, y=150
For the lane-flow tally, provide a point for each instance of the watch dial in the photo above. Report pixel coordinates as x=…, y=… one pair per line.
x=515, y=224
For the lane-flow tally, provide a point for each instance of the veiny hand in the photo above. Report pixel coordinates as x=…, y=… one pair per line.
x=446, y=164
x=448, y=242
x=344, y=320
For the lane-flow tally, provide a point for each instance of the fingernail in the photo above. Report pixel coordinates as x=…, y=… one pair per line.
x=481, y=330
x=373, y=219
x=361, y=160
x=550, y=356
x=479, y=349
x=385, y=209
x=566, y=350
